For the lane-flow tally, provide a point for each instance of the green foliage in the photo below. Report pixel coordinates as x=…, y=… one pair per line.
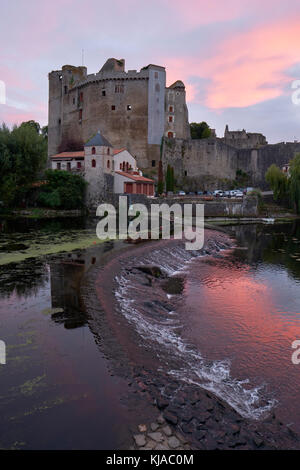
x=278, y=182
x=23, y=154
x=63, y=190
x=257, y=194
x=170, y=179
x=200, y=130
x=294, y=183
x=160, y=185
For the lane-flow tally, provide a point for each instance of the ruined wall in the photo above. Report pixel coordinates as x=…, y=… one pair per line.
x=256, y=162
x=200, y=164
x=208, y=164
x=243, y=139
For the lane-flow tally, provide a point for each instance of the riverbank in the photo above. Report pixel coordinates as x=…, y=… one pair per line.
x=204, y=420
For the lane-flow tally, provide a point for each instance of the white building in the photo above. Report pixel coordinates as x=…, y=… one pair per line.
x=96, y=162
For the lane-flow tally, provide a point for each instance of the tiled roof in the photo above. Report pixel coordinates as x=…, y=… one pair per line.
x=98, y=141
x=69, y=154
x=134, y=177
x=118, y=151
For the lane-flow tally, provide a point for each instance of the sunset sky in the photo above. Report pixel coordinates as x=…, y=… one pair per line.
x=237, y=58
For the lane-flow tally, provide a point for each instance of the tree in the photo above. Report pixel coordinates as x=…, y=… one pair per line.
x=294, y=183
x=278, y=182
x=200, y=130
x=63, y=190
x=160, y=184
x=23, y=155
x=169, y=179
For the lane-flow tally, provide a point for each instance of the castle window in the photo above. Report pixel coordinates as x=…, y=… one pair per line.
x=108, y=151
x=157, y=87
x=170, y=118
x=153, y=162
x=93, y=163
x=171, y=109
x=120, y=166
x=59, y=121
x=78, y=165
x=113, y=107
x=108, y=164
x=73, y=100
x=103, y=93
x=58, y=165
x=129, y=107
x=170, y=135
x=156, y=74
x=93, y=150
x=80, y=115
x=81, y=97
x=119, y=89
x=185, y=173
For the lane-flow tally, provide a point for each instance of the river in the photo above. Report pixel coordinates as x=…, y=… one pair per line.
x=229, y=330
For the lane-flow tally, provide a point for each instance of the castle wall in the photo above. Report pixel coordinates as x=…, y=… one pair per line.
x=156, y=104
x=176, y=109
x=257, y=162
x=206, y=164
x=128, y=108
x=200, y=164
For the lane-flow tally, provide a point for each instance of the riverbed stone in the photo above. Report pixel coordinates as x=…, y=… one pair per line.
x=167, y=430
x=154, y=426
x=156, y=436
x=142, y=427
x=173, y=442
x=140, y=440
x=161, y=420
x=170, y=417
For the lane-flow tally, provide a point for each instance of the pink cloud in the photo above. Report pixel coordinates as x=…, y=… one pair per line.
x=245, y=69
x=251, y=67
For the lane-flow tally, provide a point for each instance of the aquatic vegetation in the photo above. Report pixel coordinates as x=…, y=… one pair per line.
x=51, y=311
x=48, y=244
x=31, y=386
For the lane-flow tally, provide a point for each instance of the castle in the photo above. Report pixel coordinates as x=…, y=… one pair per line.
x=136, y=111
x=132, y=109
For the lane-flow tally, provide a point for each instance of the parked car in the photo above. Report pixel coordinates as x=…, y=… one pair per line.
x=200, y=193
x=181, y=193
x=239, y=194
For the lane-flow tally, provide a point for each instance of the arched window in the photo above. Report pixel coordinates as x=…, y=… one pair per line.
x=120, y=166
x=123, y=166
x=93, y=163
x=108, y=151
x=127, y=166
x=108, y=164
x=93, y=150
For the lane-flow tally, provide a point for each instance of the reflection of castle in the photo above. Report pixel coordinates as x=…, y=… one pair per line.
x=66, y=276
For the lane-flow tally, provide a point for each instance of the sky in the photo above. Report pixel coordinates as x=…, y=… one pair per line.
x=237, y=58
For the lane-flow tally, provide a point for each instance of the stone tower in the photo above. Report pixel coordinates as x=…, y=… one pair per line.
x=98, y=168
x=129, y=107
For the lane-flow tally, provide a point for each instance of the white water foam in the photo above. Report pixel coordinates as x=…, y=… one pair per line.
x=213, y=376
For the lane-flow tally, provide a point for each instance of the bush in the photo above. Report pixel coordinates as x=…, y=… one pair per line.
x=63, y=190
